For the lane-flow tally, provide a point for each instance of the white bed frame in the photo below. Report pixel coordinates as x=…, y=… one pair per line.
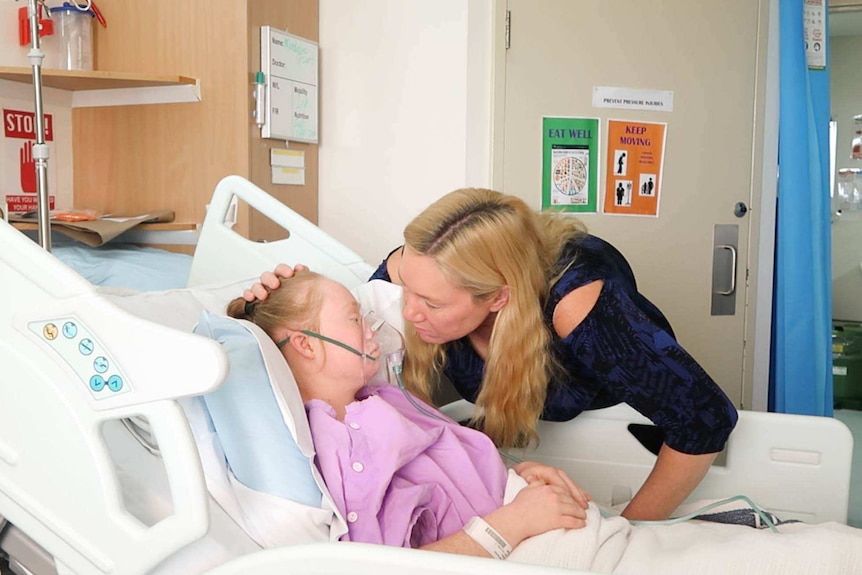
x=62, y=506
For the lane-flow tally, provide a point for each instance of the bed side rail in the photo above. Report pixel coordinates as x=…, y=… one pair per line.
x=58, y=484
x=368, y=559
x=306, y=244
x=794, y=465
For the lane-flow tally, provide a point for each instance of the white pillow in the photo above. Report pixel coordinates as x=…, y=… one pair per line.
x=270, y=520
x=275, y=521
x=259, y=444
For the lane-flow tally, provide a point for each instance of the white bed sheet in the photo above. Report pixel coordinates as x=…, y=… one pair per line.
x=127, y=265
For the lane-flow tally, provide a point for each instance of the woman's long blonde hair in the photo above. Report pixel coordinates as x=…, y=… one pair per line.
x=483, y=240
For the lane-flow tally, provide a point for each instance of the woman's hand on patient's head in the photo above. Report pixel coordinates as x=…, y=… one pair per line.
x=534, y=472
x=270, y=281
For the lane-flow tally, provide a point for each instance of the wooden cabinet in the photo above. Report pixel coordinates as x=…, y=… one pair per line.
x=133, y=159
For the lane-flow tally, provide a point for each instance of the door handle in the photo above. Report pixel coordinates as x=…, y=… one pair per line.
x=725, y=239
x=732, y=250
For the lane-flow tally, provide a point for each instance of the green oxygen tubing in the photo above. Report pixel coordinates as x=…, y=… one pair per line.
x=763, y=515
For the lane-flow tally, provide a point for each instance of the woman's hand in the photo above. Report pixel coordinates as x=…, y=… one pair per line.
x=534, y=472
x=537, y=508
x=270, y=281
x=673, y=478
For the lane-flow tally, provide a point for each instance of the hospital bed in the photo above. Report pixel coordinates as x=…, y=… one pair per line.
x=83, y=489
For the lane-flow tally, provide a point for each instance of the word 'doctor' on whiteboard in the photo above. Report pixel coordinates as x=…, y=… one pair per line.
x=289, y=64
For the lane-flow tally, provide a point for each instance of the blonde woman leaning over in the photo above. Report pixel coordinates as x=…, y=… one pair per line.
x=531, y=317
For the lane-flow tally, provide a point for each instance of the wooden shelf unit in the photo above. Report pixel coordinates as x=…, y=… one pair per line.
x=131, y=158
x=134, y=159
x=157, y=227
x=93, y=80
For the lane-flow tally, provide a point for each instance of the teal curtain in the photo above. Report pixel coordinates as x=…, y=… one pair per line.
x=801, y=374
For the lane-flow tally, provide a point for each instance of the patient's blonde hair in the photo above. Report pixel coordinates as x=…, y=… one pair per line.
x=482, y=241
x=294, y=305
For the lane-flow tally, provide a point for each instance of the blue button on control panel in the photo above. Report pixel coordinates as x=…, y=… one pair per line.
x=85, y=346
x=70, y=329
x=84, y=353
x=100, y=364
x=115, y=383
x=97, y=383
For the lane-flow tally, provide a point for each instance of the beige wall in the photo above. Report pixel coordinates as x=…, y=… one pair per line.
x=405, y=96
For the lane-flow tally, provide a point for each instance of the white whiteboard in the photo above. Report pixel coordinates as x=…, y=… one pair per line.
x=290, y=67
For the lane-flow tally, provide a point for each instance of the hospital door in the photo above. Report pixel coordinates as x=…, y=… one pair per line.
x=711, y=56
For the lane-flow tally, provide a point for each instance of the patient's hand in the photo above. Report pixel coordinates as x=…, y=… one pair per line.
x=270, y=281
x=534, y=472
x=538, y=508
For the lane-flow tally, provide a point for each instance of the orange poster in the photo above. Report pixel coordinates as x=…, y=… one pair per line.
x=635, y=156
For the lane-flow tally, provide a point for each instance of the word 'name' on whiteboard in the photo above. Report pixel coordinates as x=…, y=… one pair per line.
x=290, y=65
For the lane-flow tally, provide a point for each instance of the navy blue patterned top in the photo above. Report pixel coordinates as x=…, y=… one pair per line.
x=623, y=351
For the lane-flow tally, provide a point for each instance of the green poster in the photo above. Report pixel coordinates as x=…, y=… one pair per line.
x=570, y=156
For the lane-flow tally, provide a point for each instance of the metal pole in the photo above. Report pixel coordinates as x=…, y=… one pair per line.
x=40, y=149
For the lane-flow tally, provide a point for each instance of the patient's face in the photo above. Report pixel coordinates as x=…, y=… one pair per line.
x=439, y=310
x=341, y=320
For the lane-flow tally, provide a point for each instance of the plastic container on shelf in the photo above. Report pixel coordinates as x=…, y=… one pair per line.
x=73, y=30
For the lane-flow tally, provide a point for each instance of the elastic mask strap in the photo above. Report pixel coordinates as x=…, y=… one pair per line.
x=342, y=345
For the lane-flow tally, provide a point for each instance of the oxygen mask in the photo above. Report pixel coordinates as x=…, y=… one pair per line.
x=389, y=352
x=391, y=357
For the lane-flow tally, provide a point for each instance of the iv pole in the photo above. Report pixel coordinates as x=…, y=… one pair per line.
x=40, y=149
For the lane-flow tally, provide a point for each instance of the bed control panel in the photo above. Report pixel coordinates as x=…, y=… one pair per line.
x=88, y=358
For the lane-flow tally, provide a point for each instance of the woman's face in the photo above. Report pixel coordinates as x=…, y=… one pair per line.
x=340, y=319
x=439, y=310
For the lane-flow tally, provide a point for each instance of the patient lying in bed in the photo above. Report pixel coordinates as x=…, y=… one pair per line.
x=409, y=478
x=415, y=478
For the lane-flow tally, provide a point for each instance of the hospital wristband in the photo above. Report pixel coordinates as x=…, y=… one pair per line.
x=487, y=538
